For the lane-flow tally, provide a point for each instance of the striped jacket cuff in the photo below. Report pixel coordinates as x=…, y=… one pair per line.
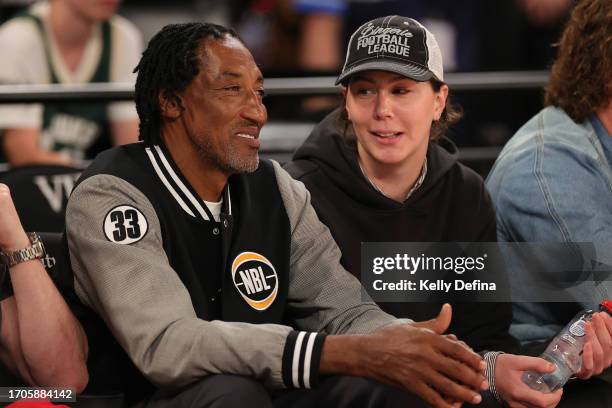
x=301, y=359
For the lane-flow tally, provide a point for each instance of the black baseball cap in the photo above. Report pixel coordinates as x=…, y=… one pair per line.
x=395, y=44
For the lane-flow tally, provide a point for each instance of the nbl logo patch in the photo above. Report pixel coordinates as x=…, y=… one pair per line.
x=125, y=224
x=256, y=279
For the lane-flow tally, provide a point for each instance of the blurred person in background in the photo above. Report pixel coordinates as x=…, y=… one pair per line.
x=41, y=342
x=319, y=47
x=67, y=42
x=535, y=25
x=553, y=181
x=270, y=30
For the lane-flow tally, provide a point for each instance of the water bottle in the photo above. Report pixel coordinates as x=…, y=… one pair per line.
x=565, y=352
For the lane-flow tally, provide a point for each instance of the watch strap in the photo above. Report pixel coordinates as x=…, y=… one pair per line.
x=35, y=250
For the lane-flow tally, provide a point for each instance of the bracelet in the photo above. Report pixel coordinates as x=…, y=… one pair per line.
x=491, y=359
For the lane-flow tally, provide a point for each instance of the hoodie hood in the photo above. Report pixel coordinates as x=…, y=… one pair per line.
x=337, y=158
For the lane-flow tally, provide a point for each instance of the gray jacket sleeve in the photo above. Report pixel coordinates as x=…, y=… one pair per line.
x=149, y=311
x=323, y=296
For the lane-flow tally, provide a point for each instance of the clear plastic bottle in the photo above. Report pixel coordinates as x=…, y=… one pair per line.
x=565, y=352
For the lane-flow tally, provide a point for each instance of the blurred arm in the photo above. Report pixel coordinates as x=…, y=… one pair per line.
x=125, y=132
x=21, y=147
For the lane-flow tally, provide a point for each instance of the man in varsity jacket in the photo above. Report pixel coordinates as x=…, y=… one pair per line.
x=211, y=269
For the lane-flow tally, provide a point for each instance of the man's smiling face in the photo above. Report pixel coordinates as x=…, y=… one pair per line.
x=223, y=110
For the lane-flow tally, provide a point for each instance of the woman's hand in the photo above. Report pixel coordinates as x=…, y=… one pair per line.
x=597, y=351
x=509, y=370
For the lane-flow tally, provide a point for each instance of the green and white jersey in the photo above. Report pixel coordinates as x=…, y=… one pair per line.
x=29, y=55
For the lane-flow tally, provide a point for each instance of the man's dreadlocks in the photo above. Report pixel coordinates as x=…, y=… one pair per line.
x=169, y=64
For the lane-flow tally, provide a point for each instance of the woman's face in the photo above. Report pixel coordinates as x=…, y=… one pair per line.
x=392, y=115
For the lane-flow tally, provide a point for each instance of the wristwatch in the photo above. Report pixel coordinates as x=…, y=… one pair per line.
x=35, y=250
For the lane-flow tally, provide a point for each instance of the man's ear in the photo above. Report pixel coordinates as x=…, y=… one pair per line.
x=169, y=105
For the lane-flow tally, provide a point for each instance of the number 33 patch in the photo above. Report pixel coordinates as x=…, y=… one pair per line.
x=125, y=224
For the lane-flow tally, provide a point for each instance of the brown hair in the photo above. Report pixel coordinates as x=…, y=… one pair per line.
x=581, y=76
x=451, y=114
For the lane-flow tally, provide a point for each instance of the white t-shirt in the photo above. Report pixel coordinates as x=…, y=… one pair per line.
x=215, y=209
x=23, y=61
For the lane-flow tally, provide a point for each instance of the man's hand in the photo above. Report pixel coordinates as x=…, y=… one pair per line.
x=418, y=358
x=415, y=357
x=509, y=370
x=597, y=351
x=12, y=235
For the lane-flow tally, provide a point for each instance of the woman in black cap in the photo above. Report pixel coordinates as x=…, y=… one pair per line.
x=379, y=169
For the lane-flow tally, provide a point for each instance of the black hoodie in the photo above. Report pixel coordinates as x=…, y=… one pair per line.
x=451, y=205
